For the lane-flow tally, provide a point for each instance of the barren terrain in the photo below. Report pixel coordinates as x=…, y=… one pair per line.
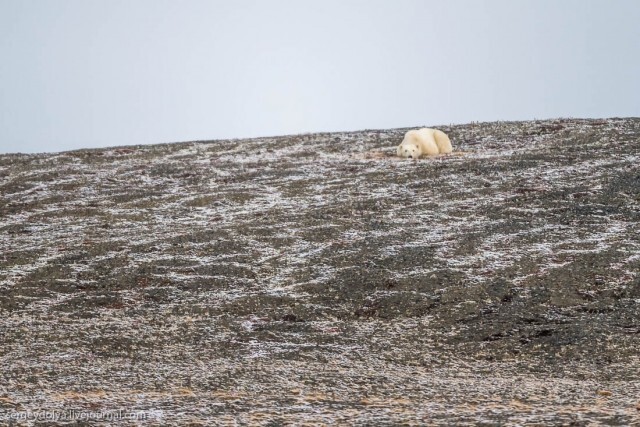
x=317, y=279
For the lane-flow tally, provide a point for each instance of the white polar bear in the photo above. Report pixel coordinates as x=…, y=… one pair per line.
x=424, y=142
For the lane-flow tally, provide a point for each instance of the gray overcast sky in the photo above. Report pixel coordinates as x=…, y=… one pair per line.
x=89, y=73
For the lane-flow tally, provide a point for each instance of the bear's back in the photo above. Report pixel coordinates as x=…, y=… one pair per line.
x=427, y=142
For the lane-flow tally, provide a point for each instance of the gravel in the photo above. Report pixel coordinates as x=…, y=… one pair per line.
x=316, y=278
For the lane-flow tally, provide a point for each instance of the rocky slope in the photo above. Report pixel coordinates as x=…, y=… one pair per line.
x=318, y=279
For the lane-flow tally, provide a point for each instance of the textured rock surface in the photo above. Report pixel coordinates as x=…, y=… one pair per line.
x=316, y=278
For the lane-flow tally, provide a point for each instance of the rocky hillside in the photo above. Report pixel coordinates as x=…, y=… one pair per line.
x=318, y=279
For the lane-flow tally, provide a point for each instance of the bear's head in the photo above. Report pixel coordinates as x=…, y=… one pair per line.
x=408, y=151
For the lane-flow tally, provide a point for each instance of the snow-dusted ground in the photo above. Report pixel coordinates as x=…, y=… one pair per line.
x=317, y=279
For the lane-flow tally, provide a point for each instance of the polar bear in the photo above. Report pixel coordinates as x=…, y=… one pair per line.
x=424, y=142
